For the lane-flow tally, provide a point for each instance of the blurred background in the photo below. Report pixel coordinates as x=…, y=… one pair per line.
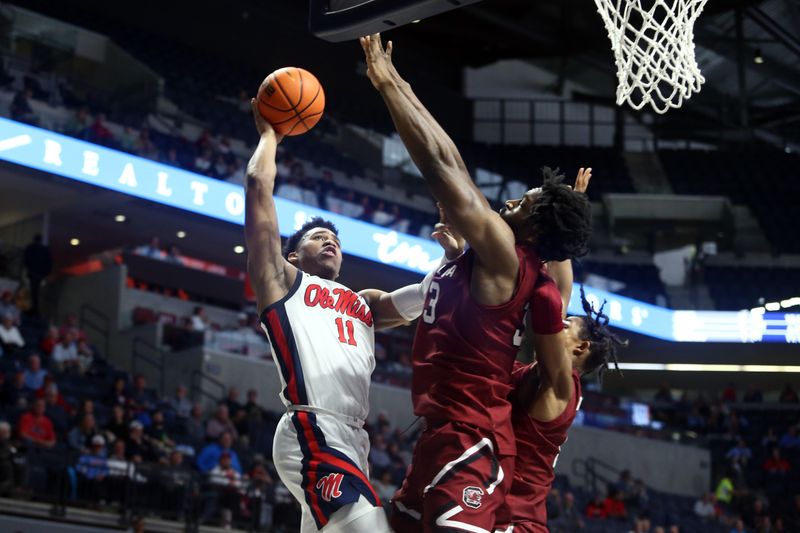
x=137, y=391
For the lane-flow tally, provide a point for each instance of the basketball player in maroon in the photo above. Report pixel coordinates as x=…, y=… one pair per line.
x=473, y=320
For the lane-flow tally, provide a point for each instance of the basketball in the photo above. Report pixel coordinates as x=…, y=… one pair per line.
x=292, y=100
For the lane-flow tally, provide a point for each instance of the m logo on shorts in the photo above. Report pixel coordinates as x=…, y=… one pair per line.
x=329, y=486
x=473, y=496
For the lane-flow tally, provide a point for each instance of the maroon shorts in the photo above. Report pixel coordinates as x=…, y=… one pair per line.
x=522, y=527
x=455, y=479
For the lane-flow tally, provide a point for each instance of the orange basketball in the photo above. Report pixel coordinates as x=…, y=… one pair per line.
x=292, y=100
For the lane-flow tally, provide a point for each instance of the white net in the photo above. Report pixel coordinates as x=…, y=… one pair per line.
x=653, y=44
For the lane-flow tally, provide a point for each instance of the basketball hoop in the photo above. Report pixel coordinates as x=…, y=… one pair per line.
x=653, y=44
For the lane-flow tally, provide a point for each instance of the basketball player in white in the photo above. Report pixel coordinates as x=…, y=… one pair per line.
x=322, y=337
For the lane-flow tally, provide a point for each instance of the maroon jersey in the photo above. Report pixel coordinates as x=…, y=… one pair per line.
x=464, y=351
x=538, y=446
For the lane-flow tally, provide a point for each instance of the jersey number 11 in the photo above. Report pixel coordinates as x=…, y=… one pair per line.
x=351, y=337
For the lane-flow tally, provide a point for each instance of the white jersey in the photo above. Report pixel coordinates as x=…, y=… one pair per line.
x=323, y=341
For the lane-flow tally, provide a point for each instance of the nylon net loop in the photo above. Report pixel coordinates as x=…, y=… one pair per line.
x=653, y=44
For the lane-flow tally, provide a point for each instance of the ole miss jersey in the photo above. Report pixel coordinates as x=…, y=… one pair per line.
x=538, y=446
x=323, y=341
x=464, y=351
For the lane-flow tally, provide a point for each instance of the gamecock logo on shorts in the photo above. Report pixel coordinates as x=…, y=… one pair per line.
x=473, y=496
x=329, y=486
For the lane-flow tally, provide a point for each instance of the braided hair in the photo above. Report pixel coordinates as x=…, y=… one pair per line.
x=604, y=344
x=562, y=219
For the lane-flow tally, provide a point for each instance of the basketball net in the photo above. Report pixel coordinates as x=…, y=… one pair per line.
x=653, y=44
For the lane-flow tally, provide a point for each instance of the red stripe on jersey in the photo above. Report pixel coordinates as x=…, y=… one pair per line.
x=312, y=467
x=285, y=355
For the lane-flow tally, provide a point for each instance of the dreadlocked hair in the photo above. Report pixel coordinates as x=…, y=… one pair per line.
x=604, y=343
x=294, y=239
x=562, y=220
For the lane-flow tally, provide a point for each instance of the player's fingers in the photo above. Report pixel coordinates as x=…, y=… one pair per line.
x=389, y=47
x=378, y=43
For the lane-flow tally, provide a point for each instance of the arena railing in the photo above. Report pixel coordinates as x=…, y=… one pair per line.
x=139, y=346
x=90, y=318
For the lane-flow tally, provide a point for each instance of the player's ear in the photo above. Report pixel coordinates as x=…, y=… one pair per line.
x=581, y=349
x=292, y=258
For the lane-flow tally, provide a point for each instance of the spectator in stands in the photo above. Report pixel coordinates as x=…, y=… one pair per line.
x=16, y=393
x=144, y=145
x=596, y=508
x=38, y=265
x=776, y=464
x=117, y=427
x=8, y=456
x=65, y=354
x=86, y=408
x=49, y=341
x=127, y=140
x=789, y=395
x=625, y=484
x=55, y=410
x=753, y=395
x=770, y=440
x=235, y=409
x=738, y=526
x=92, y=470
x=80, y=437
x=85, y=357
x=138, y=449
x=614, y=504
x=198, y=321
x=384, y=486
x=739, y=455
x=704, y=508
x=35, y=429
x=174, y=481
x=227, y=483
x=729, y=393
x=21, y=109
x=553, y=504
x=569, y=518
x=34, y=374
x=118, y=395
x=663, y=394
x=180, y=403
x=170, y=157
x=152, y=250
x=725, y=490
x=10, y=338
x=790, y=440
x=209, y=456
x=9, y=307
x=219, y=169
x=194, y=426
x=99, y=132
x=202, y=163
x=378, y=455
x=221, y=423
x=79, y=123
x=71, y=324
x=755, y=514
x=157, y=433
x=141, y=397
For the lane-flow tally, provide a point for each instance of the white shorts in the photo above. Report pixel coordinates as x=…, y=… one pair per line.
x=323, y=463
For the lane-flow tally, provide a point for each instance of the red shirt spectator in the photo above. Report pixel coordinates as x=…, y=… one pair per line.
x=35, y=427
x=614, y=506
x=72, y=324
x=776, y=464
x=596, y=508
x=50, y=340
x=60, y=401
x=729, y=394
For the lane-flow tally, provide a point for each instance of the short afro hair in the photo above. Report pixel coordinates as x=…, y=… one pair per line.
x=604, y=344
x=562, y=220
x=294, y=239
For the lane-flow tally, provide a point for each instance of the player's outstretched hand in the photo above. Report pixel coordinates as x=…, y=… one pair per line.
x=452, y=242
x=380, y=69
x=582, y=181
x=264, y=128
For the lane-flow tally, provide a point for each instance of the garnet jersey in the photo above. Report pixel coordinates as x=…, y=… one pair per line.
x=323, y=342
x=464, y=351
x=538, y=446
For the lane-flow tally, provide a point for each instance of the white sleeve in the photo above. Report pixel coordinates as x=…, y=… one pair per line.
x=410, y=300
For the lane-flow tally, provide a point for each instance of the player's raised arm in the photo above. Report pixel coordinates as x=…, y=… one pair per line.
x=270, y=274
x=561, y=271
x=437, y=157
x=396, y=308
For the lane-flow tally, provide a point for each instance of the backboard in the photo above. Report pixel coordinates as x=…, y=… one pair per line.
x=343, y=20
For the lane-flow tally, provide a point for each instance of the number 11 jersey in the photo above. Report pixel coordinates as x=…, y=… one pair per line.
x=323, y=341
